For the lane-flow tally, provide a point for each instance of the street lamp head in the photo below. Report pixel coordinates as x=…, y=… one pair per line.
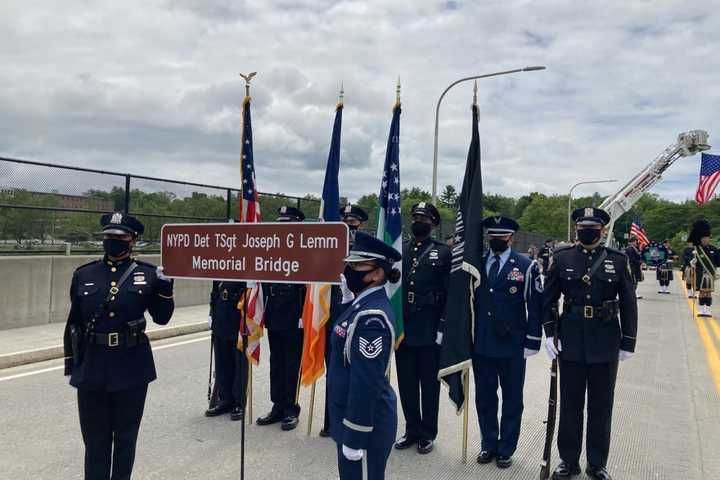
x=531, y=69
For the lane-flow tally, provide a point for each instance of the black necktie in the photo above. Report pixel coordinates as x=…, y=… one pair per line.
x=494, y=269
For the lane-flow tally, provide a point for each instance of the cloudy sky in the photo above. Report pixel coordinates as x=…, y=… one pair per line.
x=151, y=87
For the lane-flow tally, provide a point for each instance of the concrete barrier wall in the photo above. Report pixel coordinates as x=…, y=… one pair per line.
x=34, y=290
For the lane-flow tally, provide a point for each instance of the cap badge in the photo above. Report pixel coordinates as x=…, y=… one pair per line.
x=348, y=209
x=497, y=219
x=589, y=212
x=421, y=205
x=116, y=218
x=283, y=209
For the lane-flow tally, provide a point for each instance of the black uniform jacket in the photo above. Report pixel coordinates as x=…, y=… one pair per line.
x=635, y=260
x=426, y=273
x=115, y=368
x=591, y=335
x=224, y=299
x=283, y=305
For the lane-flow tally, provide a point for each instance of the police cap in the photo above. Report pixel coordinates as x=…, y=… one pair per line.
x=368, y=248
x=290, y=214
x=499, y=225
x=120, y=224
x=353, y=211
x=590, y=216
x=426, y=209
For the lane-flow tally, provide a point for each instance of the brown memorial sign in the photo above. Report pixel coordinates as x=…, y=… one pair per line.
x=281, y=252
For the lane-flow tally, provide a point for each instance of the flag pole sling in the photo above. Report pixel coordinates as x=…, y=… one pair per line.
x=312, y=407
x=466, y=388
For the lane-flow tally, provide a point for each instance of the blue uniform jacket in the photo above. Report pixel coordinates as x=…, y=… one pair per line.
x=115, y=368
x=508, y=316
x=362, y=404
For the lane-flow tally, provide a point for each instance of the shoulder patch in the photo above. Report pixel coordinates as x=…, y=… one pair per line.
x=372, y=321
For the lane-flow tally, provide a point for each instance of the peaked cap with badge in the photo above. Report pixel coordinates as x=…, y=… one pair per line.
x=367, y=248
x=426, y=209
x=290, y=214
x=353, y=211
x=119, y=223
x=590, y=216
x=500, y=225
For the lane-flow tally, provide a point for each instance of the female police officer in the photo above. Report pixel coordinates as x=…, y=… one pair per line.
x=107, y=352
x=363, y=411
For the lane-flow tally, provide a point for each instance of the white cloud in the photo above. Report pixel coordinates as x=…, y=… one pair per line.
x=151, y=87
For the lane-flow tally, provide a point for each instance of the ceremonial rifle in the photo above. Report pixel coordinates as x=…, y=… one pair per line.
x=552, y=411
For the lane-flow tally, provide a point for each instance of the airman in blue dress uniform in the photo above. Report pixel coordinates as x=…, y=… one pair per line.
x=283, y=320
x=597, y=288
x=508, y=308
x=107, y=353
x=355, y=218
x=363, y=411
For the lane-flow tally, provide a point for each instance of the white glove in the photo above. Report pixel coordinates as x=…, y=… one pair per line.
x=625, y=355
x=352, y=454
x=529, y=353
x=160, y=273
x=209, y=321
x=552, y=352
x=438, y=338
x=347, y=295
x=300, y=324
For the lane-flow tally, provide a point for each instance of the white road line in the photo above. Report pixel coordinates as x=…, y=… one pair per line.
x=60, y=367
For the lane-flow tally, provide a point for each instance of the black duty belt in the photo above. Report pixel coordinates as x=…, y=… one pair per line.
x=133, y=335
x=607, y=309
x=432, y=298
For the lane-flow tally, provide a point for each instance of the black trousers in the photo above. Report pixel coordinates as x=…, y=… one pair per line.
x=109, y=422
x=417, y=369
x=285, y=355
x=231, y=369
x=599, y=382
x=509, y=375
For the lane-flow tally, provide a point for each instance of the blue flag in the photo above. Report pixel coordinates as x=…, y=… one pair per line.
x=330, y=204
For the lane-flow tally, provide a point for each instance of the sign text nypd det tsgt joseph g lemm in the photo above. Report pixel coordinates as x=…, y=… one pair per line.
x=268, y=252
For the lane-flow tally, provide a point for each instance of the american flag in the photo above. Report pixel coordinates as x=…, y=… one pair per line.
x=709, y=178
x=250, y=212
x=637, y=230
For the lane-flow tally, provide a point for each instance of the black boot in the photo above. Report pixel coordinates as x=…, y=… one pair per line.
x=566, y=470
x=218, y=410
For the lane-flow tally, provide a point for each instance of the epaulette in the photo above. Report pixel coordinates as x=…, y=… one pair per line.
x=144, y=264
x=89, y=263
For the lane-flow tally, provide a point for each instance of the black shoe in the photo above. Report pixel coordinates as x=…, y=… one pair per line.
x=237, y=414
x=406, y=441
x=598, y=473
x=289, y=423
x=269, y=419
x=485, y=457
x=324, y=433
x=566, y=470
x=503, y=462
x=218, y=410
x=425, y=446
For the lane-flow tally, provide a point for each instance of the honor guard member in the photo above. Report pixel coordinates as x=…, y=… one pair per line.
x=508, y=306
x=355, y=218
x=707, y=258
x=664, y=271
x=635, y=260
x=107, y=353
x=283, y=321
x=363, y=412
x=597, y=287
x=545, y=254
x=426, y=269
x=231, y=364
x=688, y=269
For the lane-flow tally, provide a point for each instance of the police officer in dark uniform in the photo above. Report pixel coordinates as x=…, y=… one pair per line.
x=635, y=260
x=426, y=270
x=597, y=287
x=363, y=412
x=355, y=218
x=664, y=270
x=705, y=262
x=107, y=353
x=508, y=315
x=231, y=364
x=283, y=321
x=545, y=254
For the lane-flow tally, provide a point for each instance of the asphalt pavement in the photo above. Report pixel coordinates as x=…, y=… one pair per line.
x=666, y=422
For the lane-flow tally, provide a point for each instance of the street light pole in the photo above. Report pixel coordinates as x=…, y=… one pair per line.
x=437, y=115
x=569, y=230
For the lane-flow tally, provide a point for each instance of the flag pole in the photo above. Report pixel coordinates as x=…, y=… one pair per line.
x=466, y=388
x=312, y=408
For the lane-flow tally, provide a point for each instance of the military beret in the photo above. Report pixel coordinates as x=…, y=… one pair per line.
x=290, y=214
x=120, y=223
x=590, y=216
x=353, y=211
x=500, y=225
x=426, y=209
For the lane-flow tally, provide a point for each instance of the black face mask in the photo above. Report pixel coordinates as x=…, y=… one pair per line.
x=420, y=229
x=354, y=279
x=115, y=247
x=498, y=245
x=588, y=236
